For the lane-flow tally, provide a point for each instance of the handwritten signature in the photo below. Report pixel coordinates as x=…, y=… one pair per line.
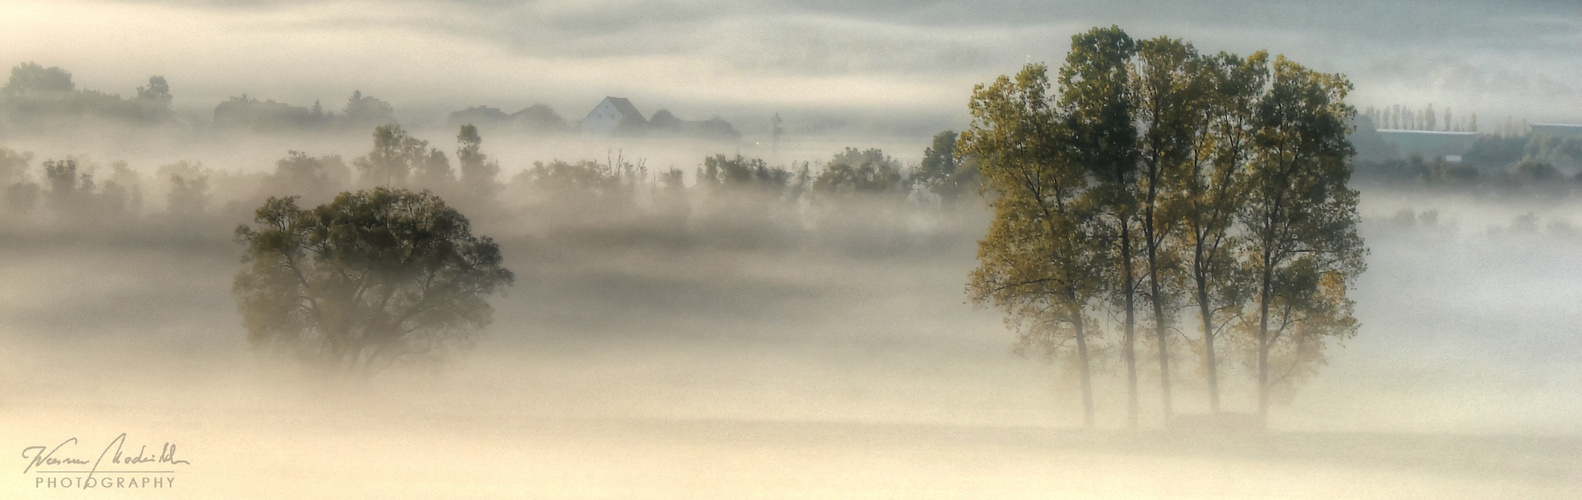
x=63, y=461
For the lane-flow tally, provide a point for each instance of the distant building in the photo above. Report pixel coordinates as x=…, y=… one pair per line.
x=1557, y=130
x=612, y=116
x=1429, y=143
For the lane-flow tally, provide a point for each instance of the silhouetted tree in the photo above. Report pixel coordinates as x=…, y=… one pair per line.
x=368, y=280
x=395, y=157
x=313, y=179
x=478, y=171
x=363, y=111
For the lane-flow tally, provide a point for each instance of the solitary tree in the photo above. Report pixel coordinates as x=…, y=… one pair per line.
x=368, y=280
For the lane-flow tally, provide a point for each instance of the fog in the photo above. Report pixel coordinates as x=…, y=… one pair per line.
x=892, y=65
x=771, y=348
x=758, y=339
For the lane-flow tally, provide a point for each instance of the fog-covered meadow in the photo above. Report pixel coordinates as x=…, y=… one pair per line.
x=752, y=344
x=760, y=285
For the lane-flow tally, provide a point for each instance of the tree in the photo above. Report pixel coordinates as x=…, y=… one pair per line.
x=664, y=123
x=540, y=119
x=1099, y=110
x=67, y=189
x=1170, y=90
x=313, y=179
x=30, y=79
x=362, y=111
x=1301, y=219
x=395, y=157
x=945, y=173
x=859, y=171
x=189, y=188
x=1209, y=196
x=478, y=172
x=371, y=279
x=1043, y=258
x=153, y=101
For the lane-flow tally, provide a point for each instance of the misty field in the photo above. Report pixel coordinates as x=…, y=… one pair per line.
x=625, y=366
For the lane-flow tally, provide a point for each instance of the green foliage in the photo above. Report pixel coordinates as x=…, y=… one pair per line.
x=1215, y=180
x=540, y=118
x=720, y=171
x=581, y=190
x=371, y=279
x=944, y=173
x=362, y=111
x=30, y=79
x=478, y=171
x=666, y=125
x=315, y=179
x=859, y=171
x=1300, y=216
x=396, y=156
x=246, y=113
x=189, y=188
x=1044, y=257
x=38, y=96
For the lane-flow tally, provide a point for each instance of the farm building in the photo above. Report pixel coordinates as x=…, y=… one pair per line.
x=613, y=115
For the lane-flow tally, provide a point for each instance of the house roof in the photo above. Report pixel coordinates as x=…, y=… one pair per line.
x=624, y=106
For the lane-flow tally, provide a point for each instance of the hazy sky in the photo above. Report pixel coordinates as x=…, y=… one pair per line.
x=882, y=60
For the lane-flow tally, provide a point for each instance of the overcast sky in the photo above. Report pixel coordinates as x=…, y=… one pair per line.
x=884, y=60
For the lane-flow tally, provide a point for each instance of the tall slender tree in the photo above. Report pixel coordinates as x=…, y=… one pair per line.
x=1042, y=260
x=1209, y=197
x=1097, y=106
x=1169, y=91
x=1300, y=217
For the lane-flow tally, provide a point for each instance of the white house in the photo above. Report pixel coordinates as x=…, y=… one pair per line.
x=611, y=116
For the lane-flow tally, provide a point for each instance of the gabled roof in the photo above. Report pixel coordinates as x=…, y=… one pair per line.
x=624, y=106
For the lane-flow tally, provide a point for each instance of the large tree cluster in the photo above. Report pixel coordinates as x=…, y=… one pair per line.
x=1153, y=183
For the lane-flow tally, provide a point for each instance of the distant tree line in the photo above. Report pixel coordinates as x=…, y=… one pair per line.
x=725, y=198
x=1150, y=183
x=249, y=114
x=1398, y=117
x=38, y=99
x=36, y=96
x=1531, y=165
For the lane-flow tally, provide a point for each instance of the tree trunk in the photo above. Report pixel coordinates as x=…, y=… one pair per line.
x=1210, y=365
x=1159, y=334
x=1159, y=311
x=1265, y=290
x=1084, y=375
x=1128, y=349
